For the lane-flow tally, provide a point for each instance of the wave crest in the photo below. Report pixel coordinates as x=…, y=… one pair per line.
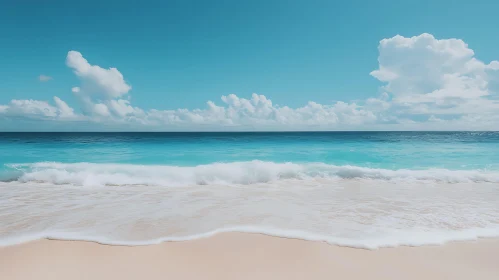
x=251, y=172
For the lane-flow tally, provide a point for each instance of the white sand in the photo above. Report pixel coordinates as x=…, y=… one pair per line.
x=247, y=256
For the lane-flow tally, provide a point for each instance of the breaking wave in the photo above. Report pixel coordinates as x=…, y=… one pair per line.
x=250, y=172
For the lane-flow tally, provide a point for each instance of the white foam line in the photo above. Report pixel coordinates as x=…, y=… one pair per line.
x=401, y=239
x=251, y=172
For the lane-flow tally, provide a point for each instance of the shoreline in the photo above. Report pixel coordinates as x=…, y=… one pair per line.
x=470, y=235
x=247, y=256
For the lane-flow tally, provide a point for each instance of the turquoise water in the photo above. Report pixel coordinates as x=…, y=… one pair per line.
x=388, y=150
x=362, y=189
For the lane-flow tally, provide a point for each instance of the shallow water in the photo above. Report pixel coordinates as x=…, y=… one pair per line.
x=368, y=190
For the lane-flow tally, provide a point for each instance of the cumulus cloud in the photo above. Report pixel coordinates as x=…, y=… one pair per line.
x=108, y=83
x=426, y=75
x=259, y=112
x=102, y=95
x=428, y=84
x=122, y=108
x=38, y=109
x=44, y=78
x=64, y=111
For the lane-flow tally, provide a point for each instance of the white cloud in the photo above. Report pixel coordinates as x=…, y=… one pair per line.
x=31, y=107
x=234, y=111
x=430, y=76
x=122, y=108
x=36, y=109
x=259, y=112
x=100, y=109
x=429, y=84
x=107, y=83
x=3, y=109
x=44, y=78
x=64, y=110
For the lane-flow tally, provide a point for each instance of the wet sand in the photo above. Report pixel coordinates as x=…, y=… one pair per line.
x=247, y=256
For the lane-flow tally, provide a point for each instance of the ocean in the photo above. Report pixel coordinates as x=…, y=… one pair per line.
x=357, y=189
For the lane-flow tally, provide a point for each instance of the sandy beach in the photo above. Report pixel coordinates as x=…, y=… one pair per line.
x=247, y=256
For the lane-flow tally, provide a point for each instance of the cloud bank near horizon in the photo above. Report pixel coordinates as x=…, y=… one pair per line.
x=428, y=84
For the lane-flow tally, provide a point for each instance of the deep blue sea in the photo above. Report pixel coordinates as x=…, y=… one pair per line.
x=361, y=189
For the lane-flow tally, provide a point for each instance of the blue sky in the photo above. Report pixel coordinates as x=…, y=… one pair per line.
x=181, y=54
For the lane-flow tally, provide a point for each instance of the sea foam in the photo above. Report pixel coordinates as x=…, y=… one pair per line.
x=250, y=172
x=347, y=206
x=378, y=189
x=412, y=239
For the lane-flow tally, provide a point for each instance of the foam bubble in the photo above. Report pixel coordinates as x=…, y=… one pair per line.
x=343, y=205
x=251, y=172
x=412, y=239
